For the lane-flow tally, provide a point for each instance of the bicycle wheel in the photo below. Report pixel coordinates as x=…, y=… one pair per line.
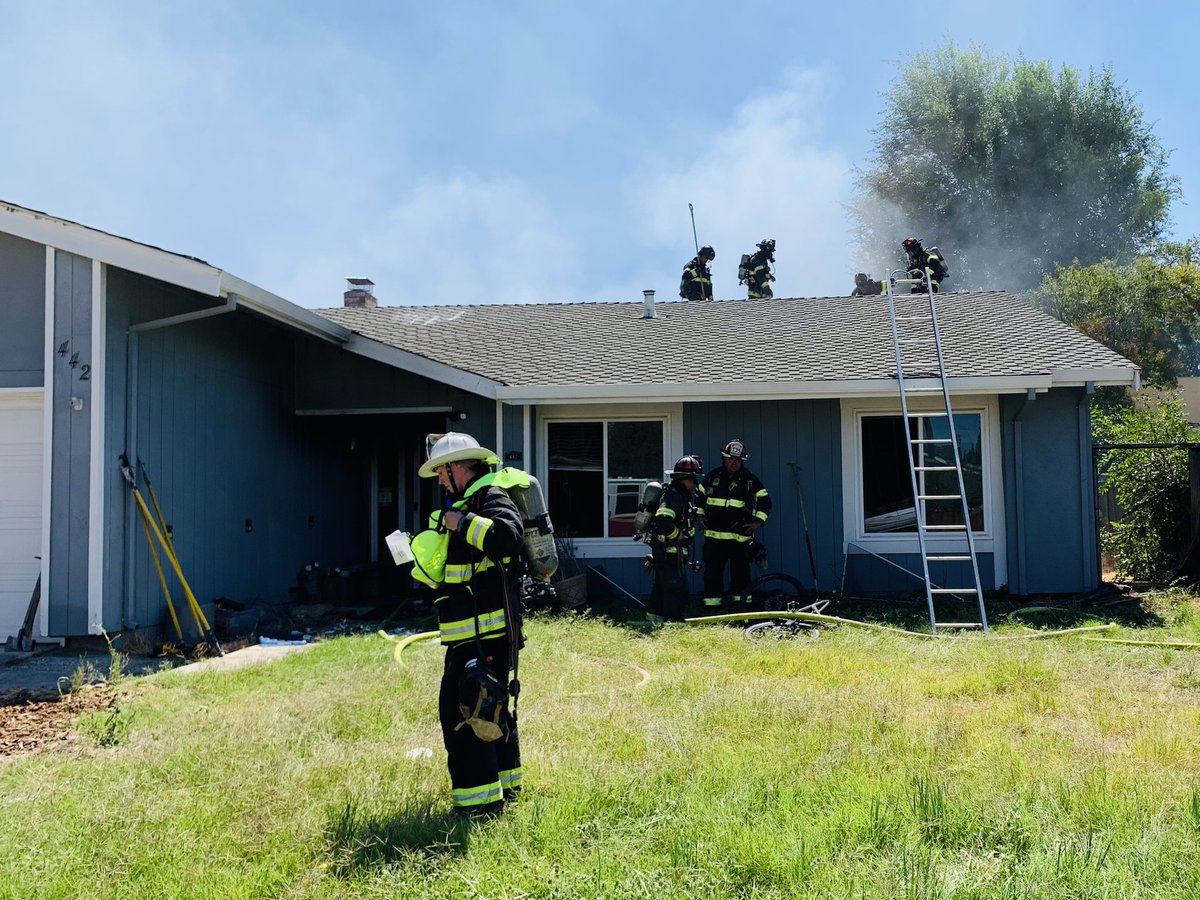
x=779, y=630
x=777, y=591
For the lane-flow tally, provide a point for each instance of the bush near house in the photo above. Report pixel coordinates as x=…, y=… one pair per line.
x=1151, y=486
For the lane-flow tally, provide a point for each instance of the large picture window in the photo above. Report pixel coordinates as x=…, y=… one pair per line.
x=887, y=496
x=596, y=471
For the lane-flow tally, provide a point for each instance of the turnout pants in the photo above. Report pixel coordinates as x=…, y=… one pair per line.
x=718, y=552
x=669, y=595
x=482, y=773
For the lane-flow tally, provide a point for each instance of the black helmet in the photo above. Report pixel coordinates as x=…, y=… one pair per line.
x=767, y=244
x=911, y=244
x=756, y=552
x=687, y=467
x=735, y=449
x=707, y=251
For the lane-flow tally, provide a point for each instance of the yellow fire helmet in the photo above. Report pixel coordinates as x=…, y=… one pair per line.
x=429, y=557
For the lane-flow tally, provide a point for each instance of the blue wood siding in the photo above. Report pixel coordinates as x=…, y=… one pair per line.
x=251, y=490
x=330, y=377
x=22, y=312
x=1050, y=508
x=71, y=417
x=776, y=433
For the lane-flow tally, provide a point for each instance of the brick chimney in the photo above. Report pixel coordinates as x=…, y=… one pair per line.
x=360, y=293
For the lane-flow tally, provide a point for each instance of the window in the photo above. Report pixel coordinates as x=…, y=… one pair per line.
x=878, y=513
x=887, y=496
x=596, y=470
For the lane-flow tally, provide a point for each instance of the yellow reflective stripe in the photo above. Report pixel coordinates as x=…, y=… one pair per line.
x=511, y=778
x=664, y=511
x=461, y=573
x=725, y=536
x=465, y=628
x=677, y=549
x=476, y=796
x=712, y=601
x=760, y=515
x=761, y=494
x=718, y=501
x=476, y=529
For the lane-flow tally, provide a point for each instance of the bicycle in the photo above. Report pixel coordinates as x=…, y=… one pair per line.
x=778, y=591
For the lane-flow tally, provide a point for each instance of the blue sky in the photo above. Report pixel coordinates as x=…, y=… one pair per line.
x=470, y=152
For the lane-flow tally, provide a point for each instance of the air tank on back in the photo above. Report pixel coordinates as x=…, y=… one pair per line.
x=540, y=551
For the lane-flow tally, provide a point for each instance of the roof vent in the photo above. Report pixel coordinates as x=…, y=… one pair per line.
x=360, y=293
x=648, y=305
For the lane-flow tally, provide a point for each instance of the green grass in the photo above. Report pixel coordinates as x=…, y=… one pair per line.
x=858, y=764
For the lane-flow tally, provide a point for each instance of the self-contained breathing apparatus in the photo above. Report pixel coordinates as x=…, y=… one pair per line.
x=647, y=507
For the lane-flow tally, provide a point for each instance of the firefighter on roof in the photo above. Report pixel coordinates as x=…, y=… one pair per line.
x=731, y=505
x=672, y=530
x=757, y=271
x=470, y=555
x=866, y=286
x=920, y=259
x=696, y=283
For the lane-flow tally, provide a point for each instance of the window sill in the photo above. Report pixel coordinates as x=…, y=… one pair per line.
x=610, y=548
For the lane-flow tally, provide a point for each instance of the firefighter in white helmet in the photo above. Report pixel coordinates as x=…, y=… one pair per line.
x=469, y=556
x=731, y=506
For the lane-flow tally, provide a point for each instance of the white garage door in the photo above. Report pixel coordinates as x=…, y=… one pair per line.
x=20, y=504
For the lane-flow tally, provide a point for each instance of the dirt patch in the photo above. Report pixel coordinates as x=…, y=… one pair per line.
x=31, y=721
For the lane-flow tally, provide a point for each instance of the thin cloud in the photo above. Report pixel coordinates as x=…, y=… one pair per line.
x=768, y=174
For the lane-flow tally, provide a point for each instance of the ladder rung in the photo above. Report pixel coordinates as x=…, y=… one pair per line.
x=969, y=590
x=934, y=468
x=948, y=558
x=966, y=625
x=930, y=441
x=913, y=318
x=916, y=340
x=945, y=527
x=939, y=496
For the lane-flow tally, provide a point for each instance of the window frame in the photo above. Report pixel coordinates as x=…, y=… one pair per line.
x=671, y=416
x=858, y=540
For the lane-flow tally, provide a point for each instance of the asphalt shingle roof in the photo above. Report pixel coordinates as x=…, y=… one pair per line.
x=984, y=334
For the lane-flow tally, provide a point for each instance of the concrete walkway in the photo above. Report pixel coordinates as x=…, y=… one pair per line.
x=46, y=668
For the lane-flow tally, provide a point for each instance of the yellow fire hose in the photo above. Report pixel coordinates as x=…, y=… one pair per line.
x=1171, y=645
x=405, y=642
x=835, y=620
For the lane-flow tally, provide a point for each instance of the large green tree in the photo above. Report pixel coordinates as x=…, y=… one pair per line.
x=1147, y=310
x=1010, y=168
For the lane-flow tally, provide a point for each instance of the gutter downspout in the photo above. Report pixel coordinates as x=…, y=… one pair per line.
x=1019, y=485
x=1088, y=482
x=131, y=389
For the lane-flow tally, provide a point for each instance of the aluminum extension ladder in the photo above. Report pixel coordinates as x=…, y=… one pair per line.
x=915, y=326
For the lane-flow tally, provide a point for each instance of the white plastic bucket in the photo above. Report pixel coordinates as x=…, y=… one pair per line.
x=397, y=542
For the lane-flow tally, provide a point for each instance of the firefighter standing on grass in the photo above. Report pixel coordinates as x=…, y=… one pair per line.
x=671, y=533
x=731, y=506
x=466, y=556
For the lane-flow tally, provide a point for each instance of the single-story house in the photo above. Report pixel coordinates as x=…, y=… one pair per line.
x=278, y=436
